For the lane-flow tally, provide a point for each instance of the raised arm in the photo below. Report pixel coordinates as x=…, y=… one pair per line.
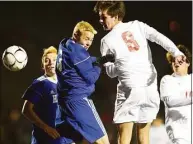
x=154, y=36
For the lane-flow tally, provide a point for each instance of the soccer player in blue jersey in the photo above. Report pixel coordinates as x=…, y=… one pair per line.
x=41, y=103
x=77, y=75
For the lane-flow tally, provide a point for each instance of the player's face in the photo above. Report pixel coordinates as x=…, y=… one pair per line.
x=49, y=64
x=180, y=67
x=107, y=21
x=86, y=39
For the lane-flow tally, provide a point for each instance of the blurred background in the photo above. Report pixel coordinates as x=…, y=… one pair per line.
x=38, y=25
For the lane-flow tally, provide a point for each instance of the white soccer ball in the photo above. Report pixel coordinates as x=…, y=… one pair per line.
x=14, y=58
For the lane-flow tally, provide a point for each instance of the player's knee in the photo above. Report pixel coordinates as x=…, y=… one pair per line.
x=125, y=132
x=103, y=140
x=143, y=128
x=143, y=133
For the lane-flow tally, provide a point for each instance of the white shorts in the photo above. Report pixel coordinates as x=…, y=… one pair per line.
x=138, y=105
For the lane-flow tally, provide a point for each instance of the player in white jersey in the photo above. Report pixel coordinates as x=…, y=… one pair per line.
x=137, y=99
x=176, y=93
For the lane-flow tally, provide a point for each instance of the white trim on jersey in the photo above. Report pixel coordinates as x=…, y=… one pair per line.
x=90, y=103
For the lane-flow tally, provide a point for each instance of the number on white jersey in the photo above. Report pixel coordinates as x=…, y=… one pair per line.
x=129, y=40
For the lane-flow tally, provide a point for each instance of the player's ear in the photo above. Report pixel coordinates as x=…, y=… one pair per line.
x=116, y=17
x=76, y=35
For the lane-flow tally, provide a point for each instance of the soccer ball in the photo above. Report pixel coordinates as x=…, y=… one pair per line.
x=14, y=58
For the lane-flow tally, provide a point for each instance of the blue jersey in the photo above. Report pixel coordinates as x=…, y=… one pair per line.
x=43, y=94
x=75, y=71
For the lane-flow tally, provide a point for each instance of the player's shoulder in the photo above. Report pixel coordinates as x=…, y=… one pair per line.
x=189, y=76
x=40, y=80
x=134, y=22
x=106, y=37
x=166, y=78
x=119, y=27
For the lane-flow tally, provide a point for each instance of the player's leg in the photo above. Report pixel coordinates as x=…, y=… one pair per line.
x=83, y=117
x=142, y=130
x=125, y=113
x=102, y=140
x=149, y=108
x=125, y=132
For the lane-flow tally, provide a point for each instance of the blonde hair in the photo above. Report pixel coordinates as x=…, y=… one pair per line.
x=83, y=26
x=48, y=50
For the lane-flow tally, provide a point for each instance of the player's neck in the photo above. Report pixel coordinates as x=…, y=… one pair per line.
x=51, y=76
x=182, y=73
x=117, y=23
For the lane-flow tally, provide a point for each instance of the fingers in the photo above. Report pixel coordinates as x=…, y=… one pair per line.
x=180, y=59
x=55, y=134
x=184, y=58
x=52, y=132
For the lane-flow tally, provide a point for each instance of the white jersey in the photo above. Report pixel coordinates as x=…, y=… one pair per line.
x=176, y=93
x=133, y=60
x=158, y=135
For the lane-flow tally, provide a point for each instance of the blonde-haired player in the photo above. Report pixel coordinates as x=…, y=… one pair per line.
x=41, y=102
x=76, y=82
x=176, y=93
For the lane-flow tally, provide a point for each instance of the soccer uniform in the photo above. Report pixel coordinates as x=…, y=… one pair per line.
x=158, y=135
x=137, y=97
x=176, y=93
x=76, y=82
x=43, y=94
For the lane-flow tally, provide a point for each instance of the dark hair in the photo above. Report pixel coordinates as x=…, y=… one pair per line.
x=186, y=52
x=114, y=8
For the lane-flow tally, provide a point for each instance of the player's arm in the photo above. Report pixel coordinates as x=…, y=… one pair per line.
x=83, y=63
x=171, y=96
x=109, y=66
x=154, y=36
x=29, y=113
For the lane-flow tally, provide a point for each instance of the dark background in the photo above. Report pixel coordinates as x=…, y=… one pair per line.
x=38, y=25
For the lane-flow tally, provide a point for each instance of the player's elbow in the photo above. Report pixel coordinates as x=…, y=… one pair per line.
x=111, y=74
x=27, y=107
x=24, y=110
x=92, y=76
x=92, y=80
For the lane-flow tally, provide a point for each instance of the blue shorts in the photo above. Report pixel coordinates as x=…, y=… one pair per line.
x=48, y=140
x=81, y=120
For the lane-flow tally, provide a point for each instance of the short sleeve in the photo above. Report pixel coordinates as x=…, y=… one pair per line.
x=33, y=93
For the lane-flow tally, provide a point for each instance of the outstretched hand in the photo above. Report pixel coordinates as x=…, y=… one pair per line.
x=51, y=132
x=180, y=59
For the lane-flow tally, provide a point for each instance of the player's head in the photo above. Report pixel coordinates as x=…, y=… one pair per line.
x=180, y=67
x=84, y=34
x=110, y=13
x=49, y=60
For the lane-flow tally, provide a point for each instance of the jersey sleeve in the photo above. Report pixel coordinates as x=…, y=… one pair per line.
x=154, y=36
x=166, y=87
x=33, y=93
x=109, y=66
x=170, y=95
x=83, y=64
